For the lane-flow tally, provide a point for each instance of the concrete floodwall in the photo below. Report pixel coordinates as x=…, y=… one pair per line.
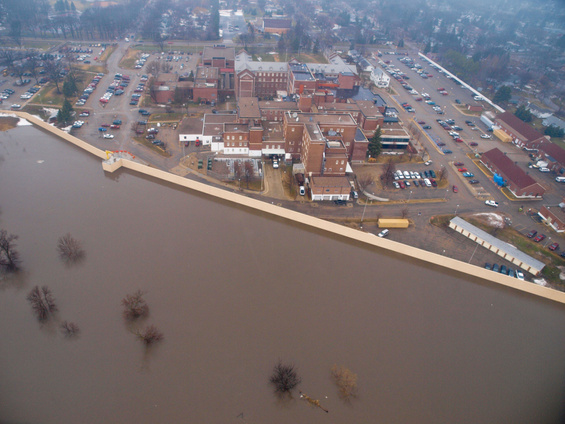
x=330, y=227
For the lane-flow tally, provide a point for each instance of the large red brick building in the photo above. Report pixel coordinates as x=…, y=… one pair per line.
x=517, y=181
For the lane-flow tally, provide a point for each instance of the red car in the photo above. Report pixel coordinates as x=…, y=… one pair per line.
x=539, y=238
x=463, y=170
x=455, y=189
x=422, y=122
x=115, y=127
x=554, y=246
x=459, y=140
x=105, y=125
x=458, y=164
x=473, y=144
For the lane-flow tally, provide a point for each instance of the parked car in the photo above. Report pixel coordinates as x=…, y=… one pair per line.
x=458, y=164
x=340, y=202
x=485, y=136
x=426, y=127
x=554, y=246
x=115, y=127
x=531, y=234
x=108, y=135
x=519, y=275
x=539, y=238
x=473, y=181
x=384, y=233
x=428, y=162
x=446, y=151
x=463, y=170
x=488, y=266
x=468, y=174
x=495, y=267
x=455, y=189
x=473, y=144
x=491, y=203
x=503, y=269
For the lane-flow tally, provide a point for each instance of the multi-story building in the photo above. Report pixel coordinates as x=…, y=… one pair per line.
x=266, y=79
x=223, y=58
x=205, y=84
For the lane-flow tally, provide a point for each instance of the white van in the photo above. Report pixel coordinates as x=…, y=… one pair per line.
x=544, y=170
x=302, y=191
x=560, y=179
x=427, y=182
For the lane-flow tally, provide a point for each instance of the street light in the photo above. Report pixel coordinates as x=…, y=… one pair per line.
x=446, y=191
x=548, y=241
x=409, y=197
x=456, y=210
x=363, y=215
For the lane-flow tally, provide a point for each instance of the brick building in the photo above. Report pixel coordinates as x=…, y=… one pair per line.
x=276, y=25
x=329, y=188
x=517, y=181
x=223, y=58
x=521, y=134
x=205, y=84
x=554, y=216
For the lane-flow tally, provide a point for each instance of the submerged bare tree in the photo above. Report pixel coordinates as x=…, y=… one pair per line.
x=70, y=249
x=345, y=380
x=135, y=306
x=9, y=256
x=69, y=329
x=284, y=378
x=42, y=302
x=149, y=335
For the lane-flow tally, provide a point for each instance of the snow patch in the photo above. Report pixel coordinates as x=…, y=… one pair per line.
x=493, y=219
x=23, y=123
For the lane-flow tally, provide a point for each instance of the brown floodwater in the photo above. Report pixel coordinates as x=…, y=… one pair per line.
x=234, y=291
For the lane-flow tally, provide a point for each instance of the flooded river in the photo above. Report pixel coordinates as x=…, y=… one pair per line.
x=233, y=292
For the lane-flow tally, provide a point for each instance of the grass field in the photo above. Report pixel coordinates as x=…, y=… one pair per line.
x=166, y=117
x=49, y=96
x=129, y=59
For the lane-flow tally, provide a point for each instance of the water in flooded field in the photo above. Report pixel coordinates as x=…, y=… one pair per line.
x=233, y=291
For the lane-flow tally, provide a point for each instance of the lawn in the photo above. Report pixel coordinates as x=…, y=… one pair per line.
x=166, y=117
x=129, y=59
x=48, y=95
x=109, y=50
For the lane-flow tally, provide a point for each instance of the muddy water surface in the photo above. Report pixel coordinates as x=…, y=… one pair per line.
x=233, y=291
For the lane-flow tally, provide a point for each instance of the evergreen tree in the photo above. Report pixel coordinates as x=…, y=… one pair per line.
x=503, y=94
x=524, y=114
x=554, y=131
x=375, y=146
x=64, y=115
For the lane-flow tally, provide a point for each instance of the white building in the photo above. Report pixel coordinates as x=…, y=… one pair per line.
x=380, y=77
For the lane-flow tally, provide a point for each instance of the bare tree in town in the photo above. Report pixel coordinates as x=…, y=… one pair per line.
x=388, y=174
x=135, y=306
x=70, y=249
x=69, y=329
x=153, y=67
x=442, y=175
x=365, y=181
x=53, y=70
x=9, y=256
x=284, y=378
x=238, y=171
x=42, y=302
x=249, y=170
x=345, y=380
x=149, y=335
